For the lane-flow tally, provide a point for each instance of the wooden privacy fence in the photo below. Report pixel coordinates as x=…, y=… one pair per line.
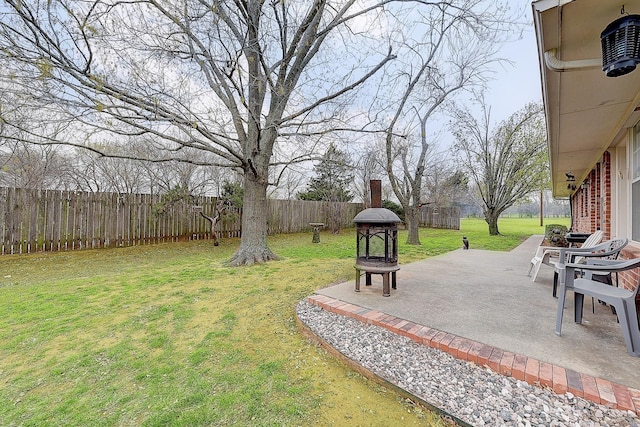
x=439, y=217
x=290, y=216
x=53, y=220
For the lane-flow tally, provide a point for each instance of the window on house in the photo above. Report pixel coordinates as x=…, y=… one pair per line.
x=635, y=184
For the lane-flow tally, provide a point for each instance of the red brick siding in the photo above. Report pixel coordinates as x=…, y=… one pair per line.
x=592, y=210
x=629, y=279
x=592, y=200
x=606, y=194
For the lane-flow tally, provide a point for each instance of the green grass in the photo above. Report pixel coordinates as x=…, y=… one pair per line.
x=169, y=335
x=513, y=231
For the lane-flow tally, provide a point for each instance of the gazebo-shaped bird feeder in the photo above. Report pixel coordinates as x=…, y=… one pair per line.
x=377, y=242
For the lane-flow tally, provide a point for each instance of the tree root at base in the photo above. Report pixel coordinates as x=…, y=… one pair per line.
x=249, y=257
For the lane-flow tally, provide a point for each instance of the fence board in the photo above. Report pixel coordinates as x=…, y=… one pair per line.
x=52, y=219
x=16, y=223
x=3, y=219
x=41, y=221
x=439, y=217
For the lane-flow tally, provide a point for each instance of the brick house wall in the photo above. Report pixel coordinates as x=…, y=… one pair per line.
x=592, y=210
x=605, y=198
x=587, y=211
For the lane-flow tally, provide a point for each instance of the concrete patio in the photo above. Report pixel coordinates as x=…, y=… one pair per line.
x=473, y=296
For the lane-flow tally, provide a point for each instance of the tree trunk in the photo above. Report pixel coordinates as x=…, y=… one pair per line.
x=492, y=219
x=253, y=242
x=412, y=221
x=541, y=209
x=335, y=216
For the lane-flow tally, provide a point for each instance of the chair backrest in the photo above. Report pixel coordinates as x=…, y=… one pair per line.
x=593, y=239
x=615, y=247
x=609, y=249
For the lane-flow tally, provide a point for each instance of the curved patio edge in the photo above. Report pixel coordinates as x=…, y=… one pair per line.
x=520, y=367
x=306, y=331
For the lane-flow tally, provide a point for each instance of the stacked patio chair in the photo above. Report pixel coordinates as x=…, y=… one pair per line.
x=609, y=250
x=549, y=255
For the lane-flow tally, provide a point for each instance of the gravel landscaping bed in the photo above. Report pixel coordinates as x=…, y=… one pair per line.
x=466, y=391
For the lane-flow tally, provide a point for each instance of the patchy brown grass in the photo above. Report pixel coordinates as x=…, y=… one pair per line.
x=168, y=334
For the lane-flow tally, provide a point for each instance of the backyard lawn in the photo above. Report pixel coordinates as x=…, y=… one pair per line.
x=168, y=335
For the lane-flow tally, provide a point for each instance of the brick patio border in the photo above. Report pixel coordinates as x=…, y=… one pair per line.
x=520, y=367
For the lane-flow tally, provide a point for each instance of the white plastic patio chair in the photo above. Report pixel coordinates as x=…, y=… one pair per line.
x=548, y=255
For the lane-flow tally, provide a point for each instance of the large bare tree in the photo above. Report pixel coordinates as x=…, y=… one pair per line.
x=450, y=53
x=505, y=164
x=230, y=78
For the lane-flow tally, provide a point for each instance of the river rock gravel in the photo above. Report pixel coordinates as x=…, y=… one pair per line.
x=464, y=390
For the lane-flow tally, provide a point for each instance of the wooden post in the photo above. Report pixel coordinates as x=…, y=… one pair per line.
x=541, y=212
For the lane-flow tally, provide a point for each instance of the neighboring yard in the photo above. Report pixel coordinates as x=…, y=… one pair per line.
x=168, y=335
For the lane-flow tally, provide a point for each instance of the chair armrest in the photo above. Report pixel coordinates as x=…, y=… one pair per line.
x=597, y=261
x=601, y=250
x=588, y=274
x=547, y=251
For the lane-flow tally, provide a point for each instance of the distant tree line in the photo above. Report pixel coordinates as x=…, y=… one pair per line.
x=32, y=166
x=336, y=176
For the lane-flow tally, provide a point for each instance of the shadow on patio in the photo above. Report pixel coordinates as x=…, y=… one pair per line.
x=481, y=306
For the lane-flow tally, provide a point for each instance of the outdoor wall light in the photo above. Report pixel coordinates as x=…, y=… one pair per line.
x=571, y=181
x=621, y=45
